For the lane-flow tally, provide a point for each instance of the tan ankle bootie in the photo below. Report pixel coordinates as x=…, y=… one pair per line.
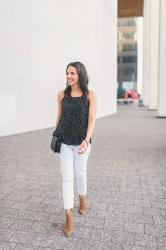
x=83, y=205
x=68, y=229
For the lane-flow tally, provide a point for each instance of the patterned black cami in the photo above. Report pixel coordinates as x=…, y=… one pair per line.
x=73, y=122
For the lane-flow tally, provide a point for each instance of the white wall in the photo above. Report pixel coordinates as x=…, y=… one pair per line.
x=37, y=41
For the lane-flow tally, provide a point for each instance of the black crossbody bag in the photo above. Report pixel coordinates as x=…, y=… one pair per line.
x=56, y=142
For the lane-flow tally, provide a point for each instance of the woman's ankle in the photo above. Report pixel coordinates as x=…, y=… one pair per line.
x=82, y=196
x=69, y=211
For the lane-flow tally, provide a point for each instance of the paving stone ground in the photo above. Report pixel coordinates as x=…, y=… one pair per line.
x=126, y=188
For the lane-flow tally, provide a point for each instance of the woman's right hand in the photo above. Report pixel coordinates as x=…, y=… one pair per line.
x=83, y=147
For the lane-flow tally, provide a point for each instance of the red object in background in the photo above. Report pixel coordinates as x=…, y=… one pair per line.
x=134, y=95
x=131, y=94
x=126, y=95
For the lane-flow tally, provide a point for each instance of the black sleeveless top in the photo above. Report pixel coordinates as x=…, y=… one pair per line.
x=73, y=122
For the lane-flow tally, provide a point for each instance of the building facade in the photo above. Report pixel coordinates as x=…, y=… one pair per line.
x=127, y=53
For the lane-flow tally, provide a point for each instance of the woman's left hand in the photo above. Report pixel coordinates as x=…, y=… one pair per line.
x=83, y=147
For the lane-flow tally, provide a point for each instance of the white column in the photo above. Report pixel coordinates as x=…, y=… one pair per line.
x=139, y=55
x=153, y=55
x=162, y=58
x=146, y=45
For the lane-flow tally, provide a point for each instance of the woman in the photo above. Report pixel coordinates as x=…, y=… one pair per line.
x=75, y=123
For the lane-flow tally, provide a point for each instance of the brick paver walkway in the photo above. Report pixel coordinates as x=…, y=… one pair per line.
x=126, y=188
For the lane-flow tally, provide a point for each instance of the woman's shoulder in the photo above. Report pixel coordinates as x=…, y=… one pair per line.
x=60, y=95
x=92, y=97
x=91, y=94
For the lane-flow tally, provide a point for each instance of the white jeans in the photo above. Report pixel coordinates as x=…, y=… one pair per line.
x=71, y=160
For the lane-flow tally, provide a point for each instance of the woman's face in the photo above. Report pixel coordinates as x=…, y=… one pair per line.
x=72, y=76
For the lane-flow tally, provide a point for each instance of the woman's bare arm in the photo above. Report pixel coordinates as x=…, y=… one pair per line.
x=59, y=99
x=92, y=115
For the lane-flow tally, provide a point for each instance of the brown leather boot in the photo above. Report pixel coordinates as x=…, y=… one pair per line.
x=83, y=204
x=68, y=229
